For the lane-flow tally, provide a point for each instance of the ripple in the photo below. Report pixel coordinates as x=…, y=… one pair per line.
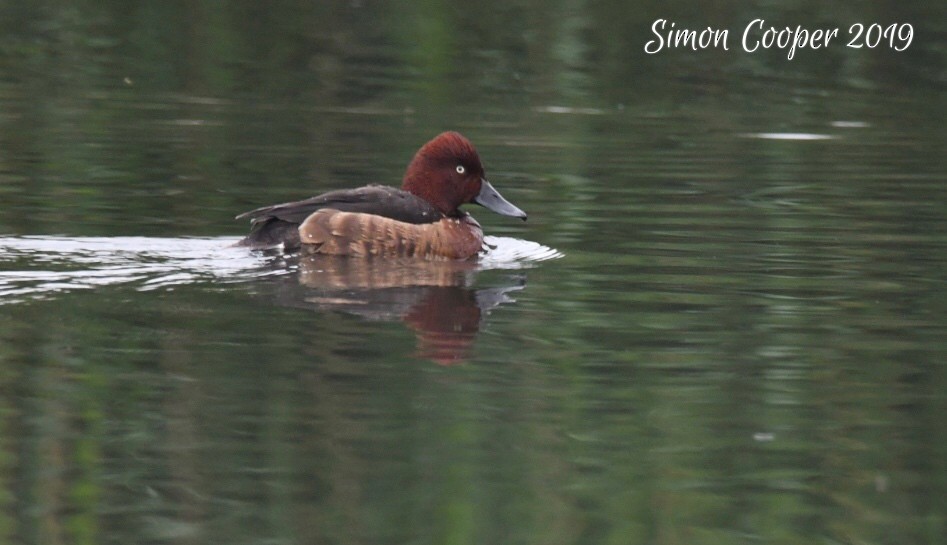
x=38, y=267
x=788, y=136
x=514, y=253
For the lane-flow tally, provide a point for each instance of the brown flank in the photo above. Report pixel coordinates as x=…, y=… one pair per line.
x=335, y=232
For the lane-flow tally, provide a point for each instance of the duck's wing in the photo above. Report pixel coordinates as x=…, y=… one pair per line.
x=278, y=224
x=379, y=200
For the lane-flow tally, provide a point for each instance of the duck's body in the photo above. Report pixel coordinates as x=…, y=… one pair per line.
x=422, y=219
x=336, y=232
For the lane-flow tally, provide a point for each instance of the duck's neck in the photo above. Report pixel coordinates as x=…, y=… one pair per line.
x=421, y=187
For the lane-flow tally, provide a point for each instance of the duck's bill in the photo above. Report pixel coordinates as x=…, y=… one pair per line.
x=491, y=199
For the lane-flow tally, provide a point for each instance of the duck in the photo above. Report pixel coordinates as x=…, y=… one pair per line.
x=421, y=219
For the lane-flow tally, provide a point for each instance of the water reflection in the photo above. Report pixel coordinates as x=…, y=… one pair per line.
x=437, y=300
x=440, y=301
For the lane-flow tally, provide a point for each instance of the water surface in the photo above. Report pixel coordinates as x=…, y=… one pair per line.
x=724, y=321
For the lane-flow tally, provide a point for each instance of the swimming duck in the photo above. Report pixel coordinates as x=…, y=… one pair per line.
x=421, y=219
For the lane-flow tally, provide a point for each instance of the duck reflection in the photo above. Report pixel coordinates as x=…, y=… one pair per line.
x=434, y=298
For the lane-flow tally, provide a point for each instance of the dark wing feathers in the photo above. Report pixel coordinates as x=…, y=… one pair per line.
x=277, y=224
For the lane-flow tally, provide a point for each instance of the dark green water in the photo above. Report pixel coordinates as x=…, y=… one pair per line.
x=724, y=321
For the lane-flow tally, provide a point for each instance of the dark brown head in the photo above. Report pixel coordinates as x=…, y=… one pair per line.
x=447, y=173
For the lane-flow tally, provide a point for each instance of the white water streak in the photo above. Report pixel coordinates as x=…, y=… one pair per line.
x=39, y=267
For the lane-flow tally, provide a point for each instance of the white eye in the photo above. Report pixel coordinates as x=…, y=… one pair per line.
x=460, y=169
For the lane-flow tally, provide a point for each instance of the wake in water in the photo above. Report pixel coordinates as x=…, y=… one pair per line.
x=39, y=267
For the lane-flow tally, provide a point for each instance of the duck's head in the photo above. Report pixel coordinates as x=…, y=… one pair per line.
x=447, y=173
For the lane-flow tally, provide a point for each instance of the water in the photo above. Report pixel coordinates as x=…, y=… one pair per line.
x=722, y=323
